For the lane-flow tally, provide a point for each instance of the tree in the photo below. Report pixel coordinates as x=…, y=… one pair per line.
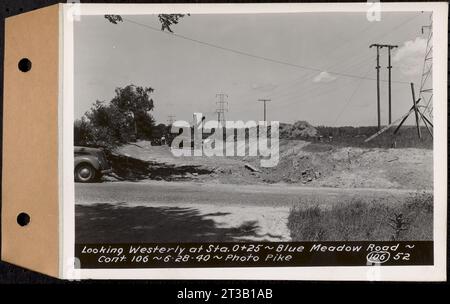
x=135, y=102
x=166, y=20
x=82, y=132
x=110, y=126
x=145, y=125
x=124, y=119
x=160, y=131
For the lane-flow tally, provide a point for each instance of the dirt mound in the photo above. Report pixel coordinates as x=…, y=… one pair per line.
x=323, y=165
x=301, y=162
x=300, y=129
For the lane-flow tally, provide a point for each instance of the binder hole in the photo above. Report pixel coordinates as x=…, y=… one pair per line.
x=24, y=65
x=23, y=219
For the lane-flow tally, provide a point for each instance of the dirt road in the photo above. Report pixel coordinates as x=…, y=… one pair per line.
x=156, y=211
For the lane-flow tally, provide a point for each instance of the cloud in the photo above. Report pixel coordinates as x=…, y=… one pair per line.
x=324, y=77
x=409, y=57
x=263, y=86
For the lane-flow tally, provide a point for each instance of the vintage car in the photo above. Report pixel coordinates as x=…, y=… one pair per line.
x=90, y=164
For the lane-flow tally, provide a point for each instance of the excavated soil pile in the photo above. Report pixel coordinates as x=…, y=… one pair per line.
x=348, y=167
x=300, y=129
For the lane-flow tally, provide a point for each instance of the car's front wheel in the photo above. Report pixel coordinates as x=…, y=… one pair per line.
x=85, y=173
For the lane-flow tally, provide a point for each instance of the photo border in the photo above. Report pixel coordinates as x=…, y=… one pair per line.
x=437, y=272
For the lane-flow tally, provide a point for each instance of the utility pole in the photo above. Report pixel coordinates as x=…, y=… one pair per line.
x=222, y=107
x=390, y=47
x=378, y=46
x=264, y=101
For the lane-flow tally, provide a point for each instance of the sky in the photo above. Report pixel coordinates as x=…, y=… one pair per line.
x=316, y=67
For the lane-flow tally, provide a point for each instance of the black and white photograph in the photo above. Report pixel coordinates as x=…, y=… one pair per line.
x=269, y=139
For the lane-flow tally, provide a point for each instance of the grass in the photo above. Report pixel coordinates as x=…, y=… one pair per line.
x=358, y=221
x=354, y=137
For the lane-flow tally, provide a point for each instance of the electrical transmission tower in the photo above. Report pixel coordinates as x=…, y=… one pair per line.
x=222, y=107
x=423, y=106
x=426, y=82
x=170, y=119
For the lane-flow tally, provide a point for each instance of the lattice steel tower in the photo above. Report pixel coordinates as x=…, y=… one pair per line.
x=426, y=82
x=170, y=119
x=222, y=107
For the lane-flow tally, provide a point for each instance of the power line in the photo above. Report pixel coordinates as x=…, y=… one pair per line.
x=325, y=92
x=349, y=75
x=308, y=94
x=350, y=99
x=341, y=62
x=313, y=92
x=306, y=81
x=382, y=35
x=315, y=97
x=252, y=55
x=282, y=90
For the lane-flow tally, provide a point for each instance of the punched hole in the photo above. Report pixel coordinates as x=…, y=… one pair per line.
x=24, y=65
x=23, y=219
